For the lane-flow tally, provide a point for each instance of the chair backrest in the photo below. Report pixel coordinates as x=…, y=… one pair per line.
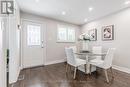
x=74, y=48
x=109, y=58
x=97, y=50
x=70, y=56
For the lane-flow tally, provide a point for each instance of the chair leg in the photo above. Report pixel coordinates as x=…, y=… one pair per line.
x=85, y=68
x=75, y=69
x=66, y=68
x=69, y=68
x=90, y=69
x=112, y=72
x=106, y=74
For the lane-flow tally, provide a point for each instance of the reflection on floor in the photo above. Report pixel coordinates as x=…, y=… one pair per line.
x=55, y=76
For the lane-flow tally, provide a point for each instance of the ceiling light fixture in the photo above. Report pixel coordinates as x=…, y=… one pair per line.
x=85, y=20
x=37, y=0
x=90, y=8
x=63, y=13
x=127, y=2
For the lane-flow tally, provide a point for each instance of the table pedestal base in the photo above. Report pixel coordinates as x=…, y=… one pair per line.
x=81, y=68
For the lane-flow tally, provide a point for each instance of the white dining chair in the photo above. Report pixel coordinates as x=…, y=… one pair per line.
x=104, y=64
x=97, y=50
x=72, y=60
x=74, y=48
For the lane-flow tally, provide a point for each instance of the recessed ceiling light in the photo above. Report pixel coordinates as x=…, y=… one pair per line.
x=127, y=2
x=90, y=8
x=37, y=0
x=85, y=20
x=63, y=13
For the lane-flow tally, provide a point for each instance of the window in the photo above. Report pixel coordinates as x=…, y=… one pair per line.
x=65, y=34
x=33, y=35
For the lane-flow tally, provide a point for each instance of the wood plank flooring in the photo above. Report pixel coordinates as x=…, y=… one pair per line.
x=55, y=76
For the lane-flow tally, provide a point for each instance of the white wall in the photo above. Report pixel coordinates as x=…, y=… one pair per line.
x=121, y=22
x=14, y=63
x=54, y=51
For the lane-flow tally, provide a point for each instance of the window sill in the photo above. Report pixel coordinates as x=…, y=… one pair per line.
x=65, y=41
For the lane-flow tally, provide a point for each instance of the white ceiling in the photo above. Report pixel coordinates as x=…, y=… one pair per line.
x=76, y=10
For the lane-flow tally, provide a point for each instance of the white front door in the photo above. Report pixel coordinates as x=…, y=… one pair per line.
x=33, y=44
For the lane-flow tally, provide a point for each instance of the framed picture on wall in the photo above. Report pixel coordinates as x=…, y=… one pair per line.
x=93, y=34
x=108, y=33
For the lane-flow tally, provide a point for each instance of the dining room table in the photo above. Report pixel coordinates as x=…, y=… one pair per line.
x=89, y=55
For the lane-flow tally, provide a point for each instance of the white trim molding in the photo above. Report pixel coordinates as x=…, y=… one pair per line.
x=123, y=69
x=55, y=62
x=15, y=79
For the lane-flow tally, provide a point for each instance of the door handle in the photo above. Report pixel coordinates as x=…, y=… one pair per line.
x=42, y=44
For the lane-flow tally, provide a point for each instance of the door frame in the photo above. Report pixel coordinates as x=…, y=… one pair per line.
x=21, y=40
x=3, y=54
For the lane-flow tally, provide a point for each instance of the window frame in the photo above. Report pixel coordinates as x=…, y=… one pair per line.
x=67, y=28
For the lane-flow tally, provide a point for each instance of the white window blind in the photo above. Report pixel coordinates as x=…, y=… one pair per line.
x=33, y=35
x=65, y=34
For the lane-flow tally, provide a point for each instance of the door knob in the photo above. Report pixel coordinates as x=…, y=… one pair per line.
x=42, y=44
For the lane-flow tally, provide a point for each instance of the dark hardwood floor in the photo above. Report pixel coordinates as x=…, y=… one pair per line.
x=55, y=76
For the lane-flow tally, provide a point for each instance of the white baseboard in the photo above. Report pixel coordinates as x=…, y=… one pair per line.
x=21, y=68
x=46, y=63
x=14, y=80
x=123, y=69
x=55, y=62
x=18, y=73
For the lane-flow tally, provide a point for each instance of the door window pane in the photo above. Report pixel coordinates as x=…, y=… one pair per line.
x=33, y=35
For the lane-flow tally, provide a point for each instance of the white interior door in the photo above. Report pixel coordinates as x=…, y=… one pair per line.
x=33, y=44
